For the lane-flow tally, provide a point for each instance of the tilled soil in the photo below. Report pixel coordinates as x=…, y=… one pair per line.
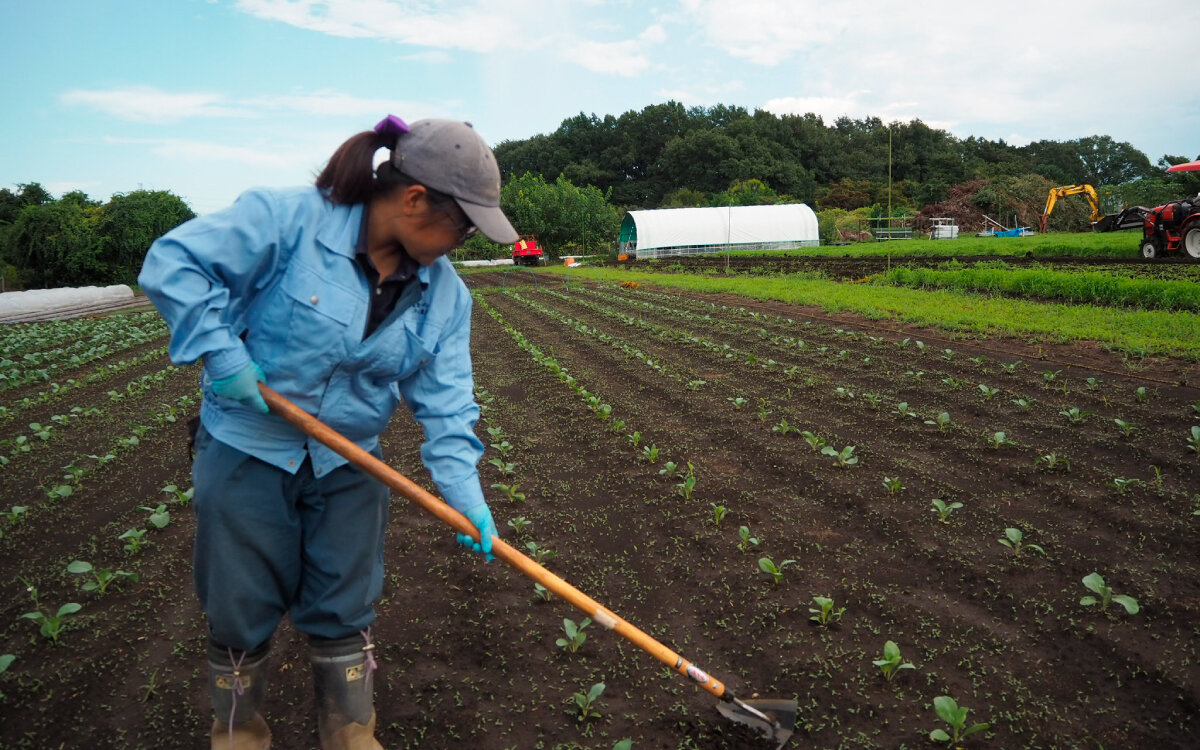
x=467, y=649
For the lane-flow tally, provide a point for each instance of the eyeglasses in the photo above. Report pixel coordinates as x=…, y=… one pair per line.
x=462, y=224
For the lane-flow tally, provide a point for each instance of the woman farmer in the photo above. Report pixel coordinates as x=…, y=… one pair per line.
x=339, y=296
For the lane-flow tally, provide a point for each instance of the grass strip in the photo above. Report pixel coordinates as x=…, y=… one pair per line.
x=1081, y=244
x=1079, y=288
x=1139, y=332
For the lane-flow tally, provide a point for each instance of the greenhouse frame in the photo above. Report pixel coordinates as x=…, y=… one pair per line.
x=695, y=231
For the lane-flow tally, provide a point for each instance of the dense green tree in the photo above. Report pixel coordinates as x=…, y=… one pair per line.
x=566, y=219
x=53, y=245
x=128, y=224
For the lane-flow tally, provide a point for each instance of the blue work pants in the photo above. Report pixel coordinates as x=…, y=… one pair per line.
x=269, y=542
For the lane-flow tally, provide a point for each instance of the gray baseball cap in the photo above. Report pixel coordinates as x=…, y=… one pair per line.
x=449, y=156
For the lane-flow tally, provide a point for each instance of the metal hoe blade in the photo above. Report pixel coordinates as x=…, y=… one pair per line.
x=775, y=718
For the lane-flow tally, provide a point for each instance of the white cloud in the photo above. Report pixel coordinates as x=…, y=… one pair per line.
x=625, y=58
x=768, y=32
x=185, y=150
x=429, y=57
x=151, y=105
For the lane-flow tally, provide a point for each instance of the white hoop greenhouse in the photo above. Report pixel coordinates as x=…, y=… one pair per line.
x=694, y=231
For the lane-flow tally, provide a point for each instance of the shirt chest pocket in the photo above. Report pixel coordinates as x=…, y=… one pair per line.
x=317, y=316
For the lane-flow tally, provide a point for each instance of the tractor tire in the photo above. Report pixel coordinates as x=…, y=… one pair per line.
x=1191, y=242
x=1151, y=248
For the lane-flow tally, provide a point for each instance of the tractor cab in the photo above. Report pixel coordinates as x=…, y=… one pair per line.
x=527, y=252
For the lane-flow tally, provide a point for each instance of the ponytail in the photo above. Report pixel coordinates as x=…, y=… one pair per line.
x=349, y=178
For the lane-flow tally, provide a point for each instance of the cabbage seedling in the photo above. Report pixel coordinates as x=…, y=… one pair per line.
x=999, y=440
x=1015, y=543
x=942, y=421
x=134, y=540
x=816, y=442
x=767, y=565
x=635, y=438
x=844, y=458
x=1011, y=367
x=510, y=491
x=1075, y=415
x=903, y=410
x=953, y=383
x=944, y=510
x=988, y=391
x=891, y=662
x=1096, y=584
x=1024, y=403
x=1052, y=462
x=783, y=428
x=893, y=485
x=538, y=552
x=737, y=402
x=824, y=614
x=504, y=447
x=49, y=626
x=950, y=712
x=668, y=468
x=1140, y=394
x=505, y=468
x=718, y=513
x=575, y=635
x=747, y=540
x=541, y=592
x=519, y=524
x=585, y=703
x=650, y=453
x=1193, y=442
x=1121, y=484
x=1126, y=428
x=101, y=579
x=159, y=517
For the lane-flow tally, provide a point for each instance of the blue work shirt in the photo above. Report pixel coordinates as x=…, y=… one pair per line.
x=274, y=279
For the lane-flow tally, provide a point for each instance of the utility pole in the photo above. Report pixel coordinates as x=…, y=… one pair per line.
x=728, y=224
x=889, y=177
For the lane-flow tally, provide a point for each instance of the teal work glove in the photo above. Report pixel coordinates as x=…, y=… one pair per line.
x=481, y=517
x=243, y=386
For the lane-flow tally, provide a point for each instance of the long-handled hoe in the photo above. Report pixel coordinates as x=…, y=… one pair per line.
x=775, y=718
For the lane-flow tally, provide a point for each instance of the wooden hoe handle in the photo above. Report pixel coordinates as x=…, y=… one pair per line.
x=405, y=487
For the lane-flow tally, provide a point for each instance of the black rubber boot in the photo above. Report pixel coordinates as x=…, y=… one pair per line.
x=237, y=683
x=345, y=704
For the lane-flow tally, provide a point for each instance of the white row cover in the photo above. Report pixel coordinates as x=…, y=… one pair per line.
x=44, y=300
x=720, y=225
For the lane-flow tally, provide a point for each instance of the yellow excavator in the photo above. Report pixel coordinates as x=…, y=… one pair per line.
x=1062, y=192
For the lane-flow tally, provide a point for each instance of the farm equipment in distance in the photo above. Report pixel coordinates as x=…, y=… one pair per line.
x=1171, y=228
x=1063, y=191
x=527, y=252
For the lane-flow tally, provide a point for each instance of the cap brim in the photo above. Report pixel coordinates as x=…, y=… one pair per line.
x=490, y=220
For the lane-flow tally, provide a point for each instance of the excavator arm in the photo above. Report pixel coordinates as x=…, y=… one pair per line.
x=1087, y=191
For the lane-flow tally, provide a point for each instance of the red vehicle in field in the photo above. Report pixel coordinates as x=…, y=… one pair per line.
x=527, y=252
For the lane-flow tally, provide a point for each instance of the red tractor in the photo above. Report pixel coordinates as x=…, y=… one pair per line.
x=527, y=252
x=1172, y=227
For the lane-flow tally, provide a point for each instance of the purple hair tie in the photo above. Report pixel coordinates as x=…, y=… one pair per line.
x=391, y=125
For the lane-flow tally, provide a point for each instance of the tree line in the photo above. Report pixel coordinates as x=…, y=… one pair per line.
x=76, y=241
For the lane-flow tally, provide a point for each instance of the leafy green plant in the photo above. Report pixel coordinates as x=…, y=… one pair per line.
x=844, y=458
x=1049, y=376
x=634, y=438
x=891, y=662
x=510, y=491
x=783, y=428
x=816, y=442
x=505, y=468
x=1127, y=429
x=160, y=517
x=538, y=552
x=843, y=393
x=585, y=703
x=15, y=514
x=1095, y=583
x=737, y=401
x=950, y=712
x=519, y=524
x=948, y=354
x=1013, y=540
x=1024, y=403
x=893, y=485
x=58, y=492
x=1011, y=367
x=1141, y=394
x=1121, y=484
x=504, y=447
x=944, y=509
x=1076, y=416
x=668, y=468
x=6, y=661
x=134, y=540
x=101, y=579
x=763, y=411
x=1092, y=383
x=999, y=440
x=650, y=454
x=767, y=565
x=1193, y=441
x=685, y=488
x=873, y=399
x=1053, y=462
x=50, y=626
x=954, y=383
x=575, y=635
x=824, y=613
x=903, y=410
x=942, y=421
x=542, y=592
x=915, y=374
x=988, y=391
x=718, y=513
x=747, y=541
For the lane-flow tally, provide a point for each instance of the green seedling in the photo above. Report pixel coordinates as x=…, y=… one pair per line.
x=783, y=428
x=824, y=614
x=767, y=565
x=519, y=524
x=585, y=702
x=50, y=626
x=763, y=411
x=1095, y=583
x=747, y=540
x=1053, y=462
x=893, y=485
x=718, y=513
x=1011, y=367
x=979, y=360
x=134, y=540
x=6, y=661
x=1014, y=542
x=921, y=347
x=1127, y=429
x=575, y=635
x=1193, y=442
x=903, y=410
x=101, y=579
x=160, y=517
x=58, y=492
x=844, y=458
x=738, y=402
x=15, y=514
x=915, y=374
x=954, y=383
x=505, y=468
x=626, y=744
x=617, y=426
x=1121, y=484
x=538, y=552
x=634, y=438
x=873, y=399
x=956, y=717
x=944, y=510
x=650, y=454
x=1024, y=403
x=1092, y=383
x=696, y=384
x=1049, y=376
x=40, y=432
x=999, y=440
x=1141, y=394
x=510, y=491
x=496, y=433
x=504, y=447
x=942, y=421
x=988, y=391
x=948, y=354
x=668, y=469
x=891, y=663
x=685, y=488
x=541, y=592
x=843, y=393
x=816, y=442
x=182, y=497
x=1075, y=416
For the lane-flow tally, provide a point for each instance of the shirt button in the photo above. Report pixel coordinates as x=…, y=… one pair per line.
x=314, y=299
x=319, y=470
x=379, y=290
x=291, y=463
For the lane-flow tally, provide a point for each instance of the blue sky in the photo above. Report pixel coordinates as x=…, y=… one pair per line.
x=206, y=98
